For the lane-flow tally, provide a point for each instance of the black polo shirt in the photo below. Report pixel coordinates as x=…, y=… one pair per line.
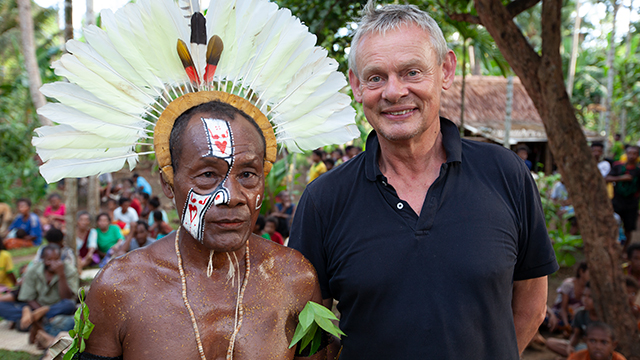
x=434, y=286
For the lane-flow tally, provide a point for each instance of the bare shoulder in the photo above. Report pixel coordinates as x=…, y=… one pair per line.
x=286, y=264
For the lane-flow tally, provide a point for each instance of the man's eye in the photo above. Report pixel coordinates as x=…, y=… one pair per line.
x=247, y=174
x=412, y=73
x=375, y=79
x=207, y=174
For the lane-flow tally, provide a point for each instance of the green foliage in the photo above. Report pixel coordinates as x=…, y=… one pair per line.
x=276, y=182
x=81, y=330
x=311, y=319
x=565, y=245
x=17, y=355
x=330, y=20
x=18, y=167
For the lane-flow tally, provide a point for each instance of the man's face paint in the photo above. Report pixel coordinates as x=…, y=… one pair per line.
x=220, y=140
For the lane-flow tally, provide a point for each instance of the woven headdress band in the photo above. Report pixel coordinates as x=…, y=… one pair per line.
x=154, y=59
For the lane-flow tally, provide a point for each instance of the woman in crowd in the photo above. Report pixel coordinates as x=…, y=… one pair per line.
x=86, y=241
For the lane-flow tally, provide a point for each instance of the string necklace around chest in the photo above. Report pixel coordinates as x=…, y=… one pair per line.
x=239, y=309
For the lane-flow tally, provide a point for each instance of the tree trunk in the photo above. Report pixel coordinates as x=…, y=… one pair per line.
x=89, y=17
x=543, y=79
x=93, y=196
x=68, y=20
x=71, y=208
x=623, y=114
x=610, y=72
x=29, y=52
x=574, y=50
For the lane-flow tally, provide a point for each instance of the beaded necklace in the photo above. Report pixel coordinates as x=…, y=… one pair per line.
x=239, y=309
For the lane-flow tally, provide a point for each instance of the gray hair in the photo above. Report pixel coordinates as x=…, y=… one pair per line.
x=391, y=17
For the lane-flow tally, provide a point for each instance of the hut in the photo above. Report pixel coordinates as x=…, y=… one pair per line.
x=485, y=110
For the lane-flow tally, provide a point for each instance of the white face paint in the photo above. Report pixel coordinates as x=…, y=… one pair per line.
x=258, y=202
x=220, y=139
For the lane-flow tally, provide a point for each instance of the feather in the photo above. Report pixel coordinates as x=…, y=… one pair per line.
x=56, y=169
x=199, y=44
x=187, y=61
x=76, y=97
x=65, y=115
x=189, y=7
x=46, y=154
x=64, y=136
x=71, y=68
x=214, y=48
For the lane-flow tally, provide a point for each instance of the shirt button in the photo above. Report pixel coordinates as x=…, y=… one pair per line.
x=400, y=206
x=384, y=183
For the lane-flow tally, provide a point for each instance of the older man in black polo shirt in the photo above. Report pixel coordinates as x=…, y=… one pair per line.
x=435, y=247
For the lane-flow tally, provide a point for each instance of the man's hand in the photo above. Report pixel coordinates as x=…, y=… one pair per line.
x=57, y=266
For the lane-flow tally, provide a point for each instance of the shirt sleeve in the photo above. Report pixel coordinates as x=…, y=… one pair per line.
x=71, y=273
x=92, y=241
x=307, y=237
x=536, y=257
x=36, y=229
x=133, y=214
x=28, y=288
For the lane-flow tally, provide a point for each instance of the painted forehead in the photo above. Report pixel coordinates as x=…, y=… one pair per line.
x=219, y=138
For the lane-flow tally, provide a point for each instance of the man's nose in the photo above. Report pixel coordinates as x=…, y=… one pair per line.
x=234, y=189
x=394, y=89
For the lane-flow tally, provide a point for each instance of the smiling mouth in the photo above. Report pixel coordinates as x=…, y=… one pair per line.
x=395, y=113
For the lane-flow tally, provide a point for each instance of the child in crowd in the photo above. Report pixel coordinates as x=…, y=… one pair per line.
x=632, y=292
x=55, y=236
x=26, y=221
x=569, y=296
x=579, y=326
x=632, y=267
x=112, y=205
x=7, y=278
x=160, y=228
x=600, y=344
x=154, y=205
x=271, y=224
x=54, y=213
x=258, y=228
x=329, y=163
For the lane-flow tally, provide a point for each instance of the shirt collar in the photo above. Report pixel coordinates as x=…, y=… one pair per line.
x=450, y=140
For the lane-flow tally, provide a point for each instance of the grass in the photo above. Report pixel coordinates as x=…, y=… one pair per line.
x=23, y=251
x=17, y=355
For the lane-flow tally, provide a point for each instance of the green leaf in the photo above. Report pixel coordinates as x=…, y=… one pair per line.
x=308, y=336
x=69, y=355
x=300, y=332
x=317, y=341
x=328, y=326
x=72, y=333
x=306, y=316
x=322, y=311
x=82, y=345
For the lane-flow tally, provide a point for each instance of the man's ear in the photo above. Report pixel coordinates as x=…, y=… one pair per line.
x=166, y=188
x=355, y=86
x=449, y=69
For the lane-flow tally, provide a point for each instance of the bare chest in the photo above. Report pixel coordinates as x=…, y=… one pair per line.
x=157, y=323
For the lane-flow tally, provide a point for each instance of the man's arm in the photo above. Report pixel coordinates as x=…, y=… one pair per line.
x=64, y=290
x=529, y=306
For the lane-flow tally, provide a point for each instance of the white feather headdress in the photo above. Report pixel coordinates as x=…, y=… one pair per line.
x=128, y=72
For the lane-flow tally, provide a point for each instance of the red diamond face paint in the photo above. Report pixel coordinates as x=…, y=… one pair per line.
x=220, y=140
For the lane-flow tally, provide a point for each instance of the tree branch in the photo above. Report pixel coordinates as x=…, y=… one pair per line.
x=472, y=19
x=519, y=6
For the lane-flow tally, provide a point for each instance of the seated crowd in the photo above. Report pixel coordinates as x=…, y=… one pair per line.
x=41, y=296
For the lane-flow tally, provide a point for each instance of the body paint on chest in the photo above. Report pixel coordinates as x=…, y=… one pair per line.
x=220, y=141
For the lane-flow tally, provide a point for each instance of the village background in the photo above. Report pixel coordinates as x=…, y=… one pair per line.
x=492, y=100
